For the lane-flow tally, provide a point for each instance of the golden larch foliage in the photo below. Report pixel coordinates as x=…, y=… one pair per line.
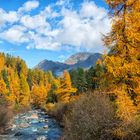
x=123, y=62
x=65, y=89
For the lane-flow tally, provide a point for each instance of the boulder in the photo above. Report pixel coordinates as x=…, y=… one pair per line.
x=41, y=138
x=24, y=125
x=33, y=116
x=13, y=127
x=45, y=127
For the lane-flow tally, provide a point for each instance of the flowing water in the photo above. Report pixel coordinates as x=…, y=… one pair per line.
x=34, y=125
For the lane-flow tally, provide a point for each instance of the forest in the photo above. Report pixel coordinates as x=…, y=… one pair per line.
x=101, y=103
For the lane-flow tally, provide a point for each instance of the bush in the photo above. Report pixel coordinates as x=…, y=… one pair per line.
x=5, y=115
x=92, y=117
x=58, y=111
x=128, y=130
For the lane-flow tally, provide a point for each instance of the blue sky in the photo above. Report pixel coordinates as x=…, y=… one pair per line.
x=52, y=29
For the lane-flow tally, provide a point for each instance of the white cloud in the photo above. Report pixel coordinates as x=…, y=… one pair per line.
x=90, y=9
x=40, y=42
x=64, y=3
x=13, y=16
x=28, y=6
x=16, y=34
x=34, y=22
x=49, y=12
x=57, y=26
x=84, y=29
x=8, y=17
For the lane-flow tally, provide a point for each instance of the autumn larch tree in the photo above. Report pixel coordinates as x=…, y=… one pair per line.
x=123, y=61
x=65, y=89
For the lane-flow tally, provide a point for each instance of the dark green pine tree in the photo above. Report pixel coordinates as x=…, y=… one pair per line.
x=73, y=75
x=90, y=74
x=30, y=78
x=81, y=80
x=5, y=77
x=99, y=72
x=52, y=97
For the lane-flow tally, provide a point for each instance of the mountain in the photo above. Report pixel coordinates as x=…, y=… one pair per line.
x=83, y=59
x=55, y=67
x=75, y=58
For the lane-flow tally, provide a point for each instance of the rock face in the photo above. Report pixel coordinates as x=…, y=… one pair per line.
x=87, y=61
x=77, y=57
x=84, y=60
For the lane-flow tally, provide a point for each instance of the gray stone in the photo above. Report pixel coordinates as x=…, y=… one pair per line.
x=24, y=125
x=41, y=138
x=45, y=127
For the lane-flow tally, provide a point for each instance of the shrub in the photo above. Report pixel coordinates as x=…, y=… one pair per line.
x=5, y=115
x=128, y=130
x=92, y=117
x=58, y=111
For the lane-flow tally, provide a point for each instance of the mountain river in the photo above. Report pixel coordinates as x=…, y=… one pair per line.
x=34, y=125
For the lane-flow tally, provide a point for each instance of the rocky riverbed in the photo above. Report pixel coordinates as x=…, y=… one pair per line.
x=34, y=125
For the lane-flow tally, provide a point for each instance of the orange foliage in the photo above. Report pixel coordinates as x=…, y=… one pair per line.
x=65, y=88
x=122, y=63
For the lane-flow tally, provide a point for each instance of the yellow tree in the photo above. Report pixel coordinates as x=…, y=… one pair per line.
x=3, y=90
x=39, y=95
x=2, y=61
x=14, y=90
x=123, y=62
x=24, y=91
x=65, y=89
